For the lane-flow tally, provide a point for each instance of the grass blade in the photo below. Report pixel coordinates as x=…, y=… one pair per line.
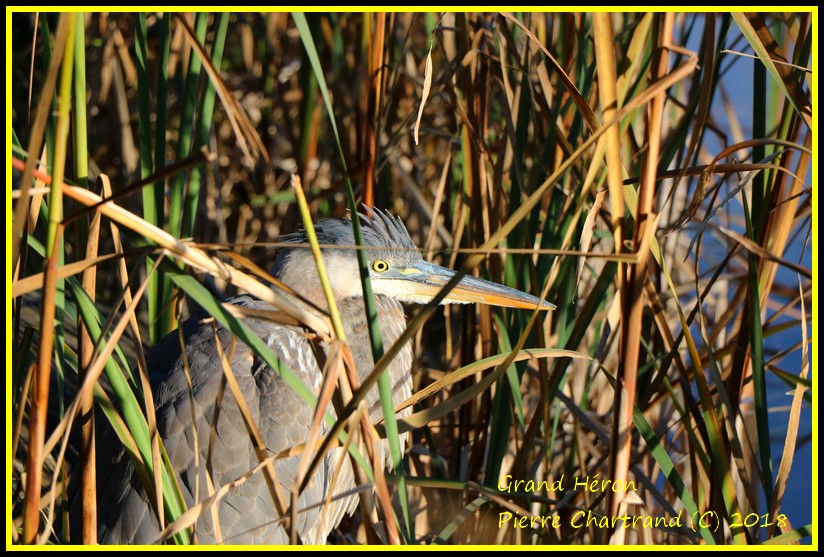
x=384, y=382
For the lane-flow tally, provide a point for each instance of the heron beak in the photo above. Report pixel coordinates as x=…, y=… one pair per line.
x=425, y=280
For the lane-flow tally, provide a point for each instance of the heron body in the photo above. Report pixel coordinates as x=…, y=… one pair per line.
x=247, y=515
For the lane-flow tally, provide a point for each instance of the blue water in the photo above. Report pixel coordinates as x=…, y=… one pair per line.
x=738, y=81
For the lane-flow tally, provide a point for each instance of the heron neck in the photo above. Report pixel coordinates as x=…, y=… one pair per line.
x=392, y=321
x=392, y=324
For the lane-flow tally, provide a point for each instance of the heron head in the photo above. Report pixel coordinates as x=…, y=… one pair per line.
x=396, y=267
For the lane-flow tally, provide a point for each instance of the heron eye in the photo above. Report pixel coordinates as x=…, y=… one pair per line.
x=380, y=266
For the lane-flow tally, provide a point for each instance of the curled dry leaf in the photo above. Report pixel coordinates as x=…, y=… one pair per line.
x=427, y=85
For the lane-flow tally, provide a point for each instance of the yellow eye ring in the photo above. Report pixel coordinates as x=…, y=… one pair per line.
x=380, y=266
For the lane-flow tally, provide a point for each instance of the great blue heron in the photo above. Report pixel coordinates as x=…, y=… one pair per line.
x=247, y=514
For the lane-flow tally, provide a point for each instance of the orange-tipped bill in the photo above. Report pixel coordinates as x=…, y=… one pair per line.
x=422, y=281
